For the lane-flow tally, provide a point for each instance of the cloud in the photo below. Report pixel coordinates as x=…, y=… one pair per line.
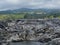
x=13, y=4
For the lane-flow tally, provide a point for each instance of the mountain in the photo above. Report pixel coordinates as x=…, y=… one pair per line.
x=29, y=10
x=16, y=11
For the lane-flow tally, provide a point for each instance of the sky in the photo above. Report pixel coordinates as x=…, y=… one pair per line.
x=35, y=4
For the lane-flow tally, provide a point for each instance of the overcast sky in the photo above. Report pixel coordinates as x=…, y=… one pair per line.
x=15, y=4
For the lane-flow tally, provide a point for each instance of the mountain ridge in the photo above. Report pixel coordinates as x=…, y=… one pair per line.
x=20, y=10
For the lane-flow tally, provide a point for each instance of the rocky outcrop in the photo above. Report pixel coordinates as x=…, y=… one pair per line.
x=55, y=41
x=44, y=30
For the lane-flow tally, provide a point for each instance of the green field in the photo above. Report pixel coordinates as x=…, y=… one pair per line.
x=11, y=16
x=28, y=16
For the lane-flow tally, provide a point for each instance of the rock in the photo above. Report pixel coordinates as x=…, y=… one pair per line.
x=42, y=30
x=57, y=29
x=45, y=38
x=55, y=41
x=11, y=23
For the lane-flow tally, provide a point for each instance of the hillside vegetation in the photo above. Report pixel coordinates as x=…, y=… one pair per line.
x=11, y=16
x=31, y=15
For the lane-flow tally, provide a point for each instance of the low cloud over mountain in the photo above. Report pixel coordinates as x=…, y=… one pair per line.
x=15, y=4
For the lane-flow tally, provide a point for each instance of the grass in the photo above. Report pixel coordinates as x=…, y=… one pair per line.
x=25, y=16
x=11, y=16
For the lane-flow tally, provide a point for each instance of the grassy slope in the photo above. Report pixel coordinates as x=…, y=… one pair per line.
x=11, y=16
x=28, y=15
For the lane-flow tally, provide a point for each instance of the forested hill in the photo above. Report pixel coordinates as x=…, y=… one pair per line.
x=25, y=13
x=30, y=10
